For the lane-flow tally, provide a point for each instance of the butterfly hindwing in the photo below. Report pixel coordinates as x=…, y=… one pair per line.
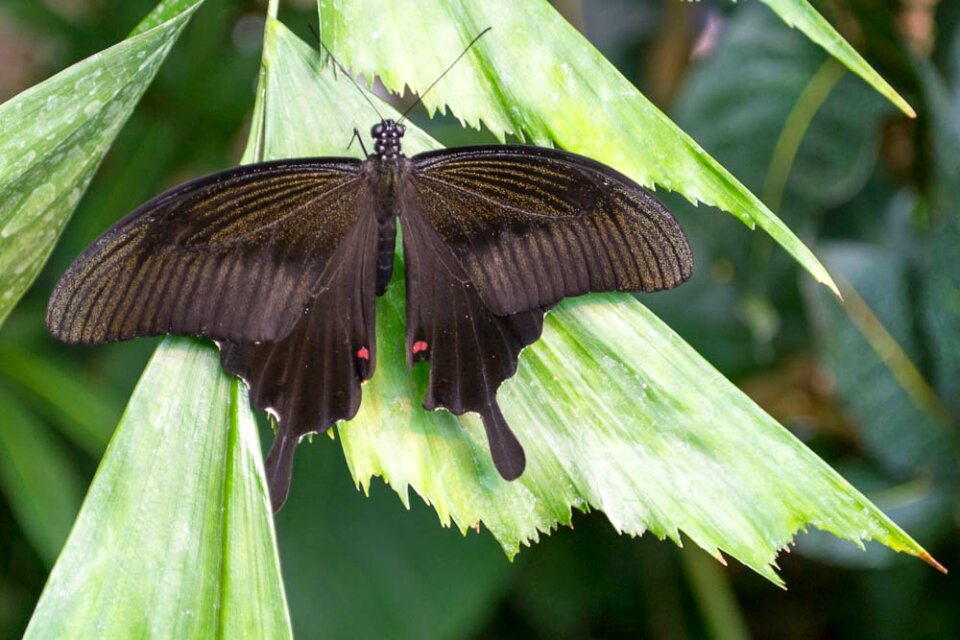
x=310, y=379
x=531, y=225
x=470, y=349
x=233, y=256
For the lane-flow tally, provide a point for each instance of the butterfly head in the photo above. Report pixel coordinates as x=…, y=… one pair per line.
x=386, y=139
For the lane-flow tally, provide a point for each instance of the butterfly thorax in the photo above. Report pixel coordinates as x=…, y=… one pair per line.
x=388, y=162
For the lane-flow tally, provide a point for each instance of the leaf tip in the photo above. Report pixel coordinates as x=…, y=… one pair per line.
x=930, y=560
x=901, y=103
x=826, y=280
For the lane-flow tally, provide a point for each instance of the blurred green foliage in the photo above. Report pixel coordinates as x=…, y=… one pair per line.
x=871, y=384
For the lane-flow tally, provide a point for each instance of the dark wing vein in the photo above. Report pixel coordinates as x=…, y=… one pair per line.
x=508, y=213
x=233, y=256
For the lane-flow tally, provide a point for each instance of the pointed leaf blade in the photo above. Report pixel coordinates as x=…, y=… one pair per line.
x=564, y=91
x=802, y=15
x=175, y=537
x=54, y=135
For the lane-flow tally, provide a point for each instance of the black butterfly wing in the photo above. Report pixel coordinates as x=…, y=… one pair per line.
x=495, y=235
x=233, y=256
x=311, y=378
x=470, y=349
x=531, y=225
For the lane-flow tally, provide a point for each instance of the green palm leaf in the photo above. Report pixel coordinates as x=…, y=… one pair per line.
x=54, y=135
x=802, y=15
x=535, y=76
x=175, y=537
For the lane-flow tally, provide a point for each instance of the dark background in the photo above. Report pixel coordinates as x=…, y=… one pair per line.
x=874, y=193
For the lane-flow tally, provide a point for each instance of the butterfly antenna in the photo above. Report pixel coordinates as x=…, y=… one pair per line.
x=344, y=71
x=446, y=71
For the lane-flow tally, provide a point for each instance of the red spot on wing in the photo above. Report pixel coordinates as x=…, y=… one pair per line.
x=420, y=346
x=363, y=354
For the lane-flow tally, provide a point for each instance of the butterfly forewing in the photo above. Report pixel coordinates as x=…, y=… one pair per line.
x=233, y=256
x=531, y=226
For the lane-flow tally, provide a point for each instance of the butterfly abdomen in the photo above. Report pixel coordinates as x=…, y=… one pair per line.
x=386, y=247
